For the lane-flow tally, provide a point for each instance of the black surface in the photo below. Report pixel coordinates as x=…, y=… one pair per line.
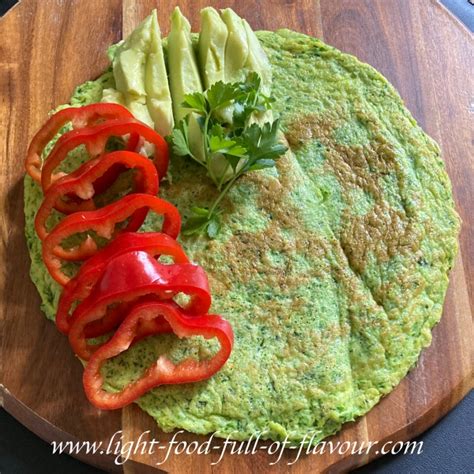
x=463, y=9
x=5, y=5
x=448, y=447
x=22, y=452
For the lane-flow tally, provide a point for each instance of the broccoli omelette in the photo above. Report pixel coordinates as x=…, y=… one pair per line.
x=332, y=267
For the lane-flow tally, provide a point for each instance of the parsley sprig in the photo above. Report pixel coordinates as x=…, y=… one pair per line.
x=231, y=140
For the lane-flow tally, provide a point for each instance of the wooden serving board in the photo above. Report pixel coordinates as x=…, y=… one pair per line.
x=48, y=47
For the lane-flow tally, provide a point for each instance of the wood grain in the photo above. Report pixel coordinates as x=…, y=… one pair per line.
x=49, y=47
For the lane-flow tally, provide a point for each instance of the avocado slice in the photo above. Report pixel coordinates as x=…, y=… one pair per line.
x=237, y=46
x=113, y=95
x=156, y=83
x=184, y=77
x=212, y=43
x=141, y=81
x=183, y=69
x=257, y=59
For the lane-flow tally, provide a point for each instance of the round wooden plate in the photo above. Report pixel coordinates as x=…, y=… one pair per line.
x=49, y=47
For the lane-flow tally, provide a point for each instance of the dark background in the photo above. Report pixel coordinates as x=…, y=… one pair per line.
x=448, y=447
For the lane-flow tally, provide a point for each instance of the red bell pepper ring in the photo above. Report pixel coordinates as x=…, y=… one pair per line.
x=95, y=139
x=110, y=176
x=80, y=185
x=79, y=117
x=163, y=371
x=103, y=222
x=126, y=279
x=79, y=288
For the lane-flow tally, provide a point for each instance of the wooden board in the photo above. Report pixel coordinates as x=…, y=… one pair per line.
x=50, y=46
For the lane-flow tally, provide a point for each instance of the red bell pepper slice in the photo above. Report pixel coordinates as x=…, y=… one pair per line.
x=79, y=117
x=103, y=222
x=163, y=371
x=126, y=279
x=78, y=187
x=95, y=139
x=79, y=288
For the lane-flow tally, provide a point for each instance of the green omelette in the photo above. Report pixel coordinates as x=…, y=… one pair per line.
x=332, y=267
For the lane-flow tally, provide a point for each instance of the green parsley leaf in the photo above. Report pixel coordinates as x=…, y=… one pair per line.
x=231, y=144
x=195, y=225
x=218, y=130
x=221, y=95
x=226, y=146
x=202, y=222
x=196, y=102
x=213, y=228
x=262, y=142
x=179, y=139
x=261, y=165
x=200, y=211
x=252, y=83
